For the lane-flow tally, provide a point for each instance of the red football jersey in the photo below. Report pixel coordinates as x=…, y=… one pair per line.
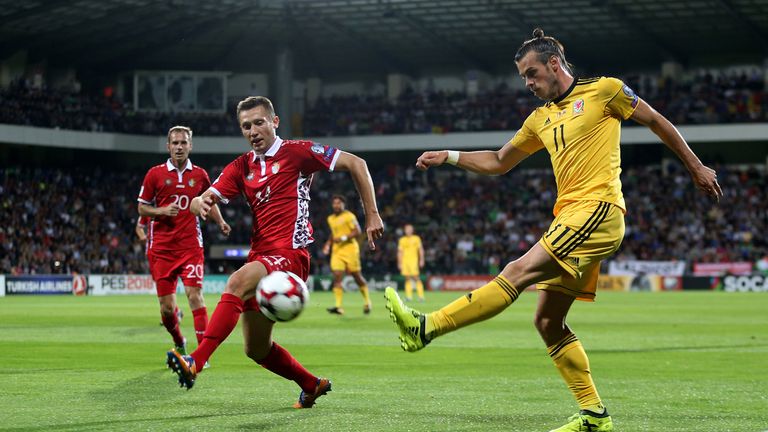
x=164, y=185
x=276, y=186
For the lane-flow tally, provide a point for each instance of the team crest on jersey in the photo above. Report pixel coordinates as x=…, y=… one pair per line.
x=191, y=182
x=250, y=176
x=318, y=148
x=275, y=167
x=578, y=107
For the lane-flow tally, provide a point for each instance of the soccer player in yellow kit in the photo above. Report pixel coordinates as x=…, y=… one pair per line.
x=345, y=253
x=579, y=126
x=410, y=258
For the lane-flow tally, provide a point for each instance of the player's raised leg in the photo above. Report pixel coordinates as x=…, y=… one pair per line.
x=242, y=284
x=418, y=329
x=259, y=346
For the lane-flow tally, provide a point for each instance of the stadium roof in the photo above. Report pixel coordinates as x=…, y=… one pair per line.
x=345, y=38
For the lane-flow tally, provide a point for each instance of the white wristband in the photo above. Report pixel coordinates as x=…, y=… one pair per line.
x=453, y=157
x=343, y=238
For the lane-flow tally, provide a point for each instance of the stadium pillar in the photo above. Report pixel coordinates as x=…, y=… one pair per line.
x=396, y=84
x=12, y=67
x=314, y=89
x=283, y=90
x=476, y=82
x=765, y=72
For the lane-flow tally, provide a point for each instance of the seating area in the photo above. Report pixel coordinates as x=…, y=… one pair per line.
x=56, y=221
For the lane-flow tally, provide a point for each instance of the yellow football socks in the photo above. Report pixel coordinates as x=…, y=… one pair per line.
x=364, y=292
x=572, y=362
x=419, y=289
x=408, y=289
x=480, y=304
x=338, y=294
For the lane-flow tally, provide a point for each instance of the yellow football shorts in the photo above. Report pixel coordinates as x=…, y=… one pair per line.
x=409, y=268
x=346, y=258
x=583, y=234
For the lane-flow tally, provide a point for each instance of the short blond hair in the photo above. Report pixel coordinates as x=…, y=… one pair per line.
x=185, y=129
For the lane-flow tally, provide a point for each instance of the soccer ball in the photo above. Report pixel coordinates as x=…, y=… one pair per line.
x=282, y=296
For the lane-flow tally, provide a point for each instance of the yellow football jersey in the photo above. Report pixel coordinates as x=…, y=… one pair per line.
x=343, y=224
x=410, y=246
x=581, y=130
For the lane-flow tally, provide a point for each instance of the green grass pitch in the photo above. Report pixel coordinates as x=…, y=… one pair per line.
x=685, y=361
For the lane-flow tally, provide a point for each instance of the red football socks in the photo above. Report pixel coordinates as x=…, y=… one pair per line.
x=201, y=321
x=171, y=323
x=223, y=321
x=281, y=362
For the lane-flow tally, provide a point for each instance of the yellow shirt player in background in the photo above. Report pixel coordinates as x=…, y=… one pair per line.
x=345, y=253
x=410, y=258
x=580, y=127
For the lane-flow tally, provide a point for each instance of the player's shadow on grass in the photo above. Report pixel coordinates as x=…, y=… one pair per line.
x=150, y=388
x=137, y=331
x=114, y=423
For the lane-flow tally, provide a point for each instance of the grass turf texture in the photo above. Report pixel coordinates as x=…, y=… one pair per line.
x=687, y=361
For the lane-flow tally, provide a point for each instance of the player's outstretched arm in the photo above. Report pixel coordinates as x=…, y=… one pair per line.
x=486, y=162
x=217, y=217
x=374, y=226
x=201, y=205
x=704, y=177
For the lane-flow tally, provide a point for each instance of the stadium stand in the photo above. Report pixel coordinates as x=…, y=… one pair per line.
x=704, y=98
x=469, y=224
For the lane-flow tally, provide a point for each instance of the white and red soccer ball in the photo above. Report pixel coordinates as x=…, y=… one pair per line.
x=282, y=296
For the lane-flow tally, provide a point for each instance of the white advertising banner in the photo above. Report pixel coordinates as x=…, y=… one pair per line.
x=2, y=285
x=756, y=283
x=632, y=268
x=102, y=284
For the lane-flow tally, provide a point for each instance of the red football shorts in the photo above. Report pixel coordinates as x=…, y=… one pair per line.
x=167, y=266
x=293, y=260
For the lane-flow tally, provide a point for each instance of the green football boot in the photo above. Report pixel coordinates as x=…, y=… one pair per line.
x=412, y=323
x=587, y=421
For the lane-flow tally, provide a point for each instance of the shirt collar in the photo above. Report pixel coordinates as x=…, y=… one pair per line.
x=560, y=98
x=171, y=166
x=272, y=150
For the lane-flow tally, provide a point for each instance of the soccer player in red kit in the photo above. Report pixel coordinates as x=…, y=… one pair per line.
x=174, y=238
x=274, y=177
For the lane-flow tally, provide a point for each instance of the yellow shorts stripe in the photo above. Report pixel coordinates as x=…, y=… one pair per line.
x=586, y=230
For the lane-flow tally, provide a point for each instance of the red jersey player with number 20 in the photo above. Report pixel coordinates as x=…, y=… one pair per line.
x=274, y=177
x=174, y=240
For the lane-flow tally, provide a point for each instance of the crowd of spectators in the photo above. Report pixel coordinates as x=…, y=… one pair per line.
x=24, y=104
x=55, y=221
x=473, y=224
x=704, y=98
